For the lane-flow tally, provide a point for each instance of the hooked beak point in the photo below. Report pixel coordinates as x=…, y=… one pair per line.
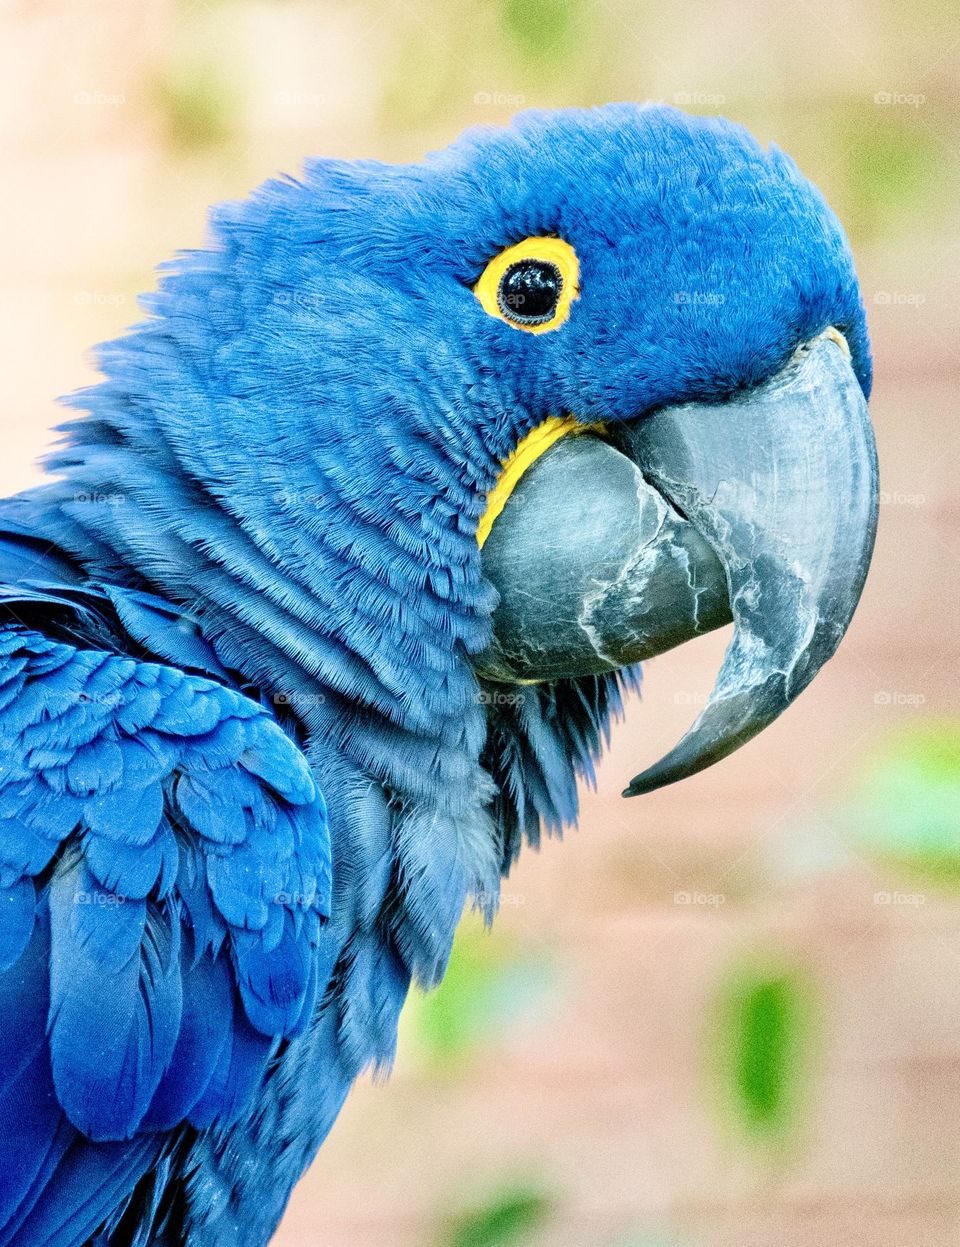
x=762, y=509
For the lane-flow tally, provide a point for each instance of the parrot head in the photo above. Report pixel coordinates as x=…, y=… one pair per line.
x=579, y=390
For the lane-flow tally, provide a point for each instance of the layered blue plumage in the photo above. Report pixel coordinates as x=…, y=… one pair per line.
x=165, y=875
x=250, y=778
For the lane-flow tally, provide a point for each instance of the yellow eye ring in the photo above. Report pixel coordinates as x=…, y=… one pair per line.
x=531, y=285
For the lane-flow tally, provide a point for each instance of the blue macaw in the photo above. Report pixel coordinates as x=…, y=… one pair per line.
x=339, y=581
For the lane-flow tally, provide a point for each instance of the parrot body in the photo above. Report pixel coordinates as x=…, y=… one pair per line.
x=250, y=774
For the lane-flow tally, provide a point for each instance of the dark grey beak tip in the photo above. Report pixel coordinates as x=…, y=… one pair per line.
x=793, y=522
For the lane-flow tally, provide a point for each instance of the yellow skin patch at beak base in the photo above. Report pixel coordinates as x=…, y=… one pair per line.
x=526, y=452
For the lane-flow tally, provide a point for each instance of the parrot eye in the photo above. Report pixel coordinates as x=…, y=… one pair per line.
x=529, y=291
x=531, y=284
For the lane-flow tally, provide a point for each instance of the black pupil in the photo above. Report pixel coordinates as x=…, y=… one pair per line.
x=529, y=291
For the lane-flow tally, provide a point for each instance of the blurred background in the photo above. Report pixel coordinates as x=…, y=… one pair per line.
x=726, y=1015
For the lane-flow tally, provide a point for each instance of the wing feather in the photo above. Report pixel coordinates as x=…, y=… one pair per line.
x=165, y=881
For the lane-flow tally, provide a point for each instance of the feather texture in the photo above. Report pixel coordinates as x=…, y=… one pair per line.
x=148, y=1017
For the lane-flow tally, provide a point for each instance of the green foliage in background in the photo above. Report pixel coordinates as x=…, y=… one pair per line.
x=513, y=1215
x=892, y=168
x=760, y=1041
x=426, y=78
x=881, y=143
x=877, y=145
x=460, y=63
x=489, y=986
x=538, y=26
x=905, y=808
x=507, y=1218
x=198, y=107
x=200, y=86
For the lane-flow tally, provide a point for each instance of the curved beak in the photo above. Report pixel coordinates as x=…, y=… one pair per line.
x=762, y=510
